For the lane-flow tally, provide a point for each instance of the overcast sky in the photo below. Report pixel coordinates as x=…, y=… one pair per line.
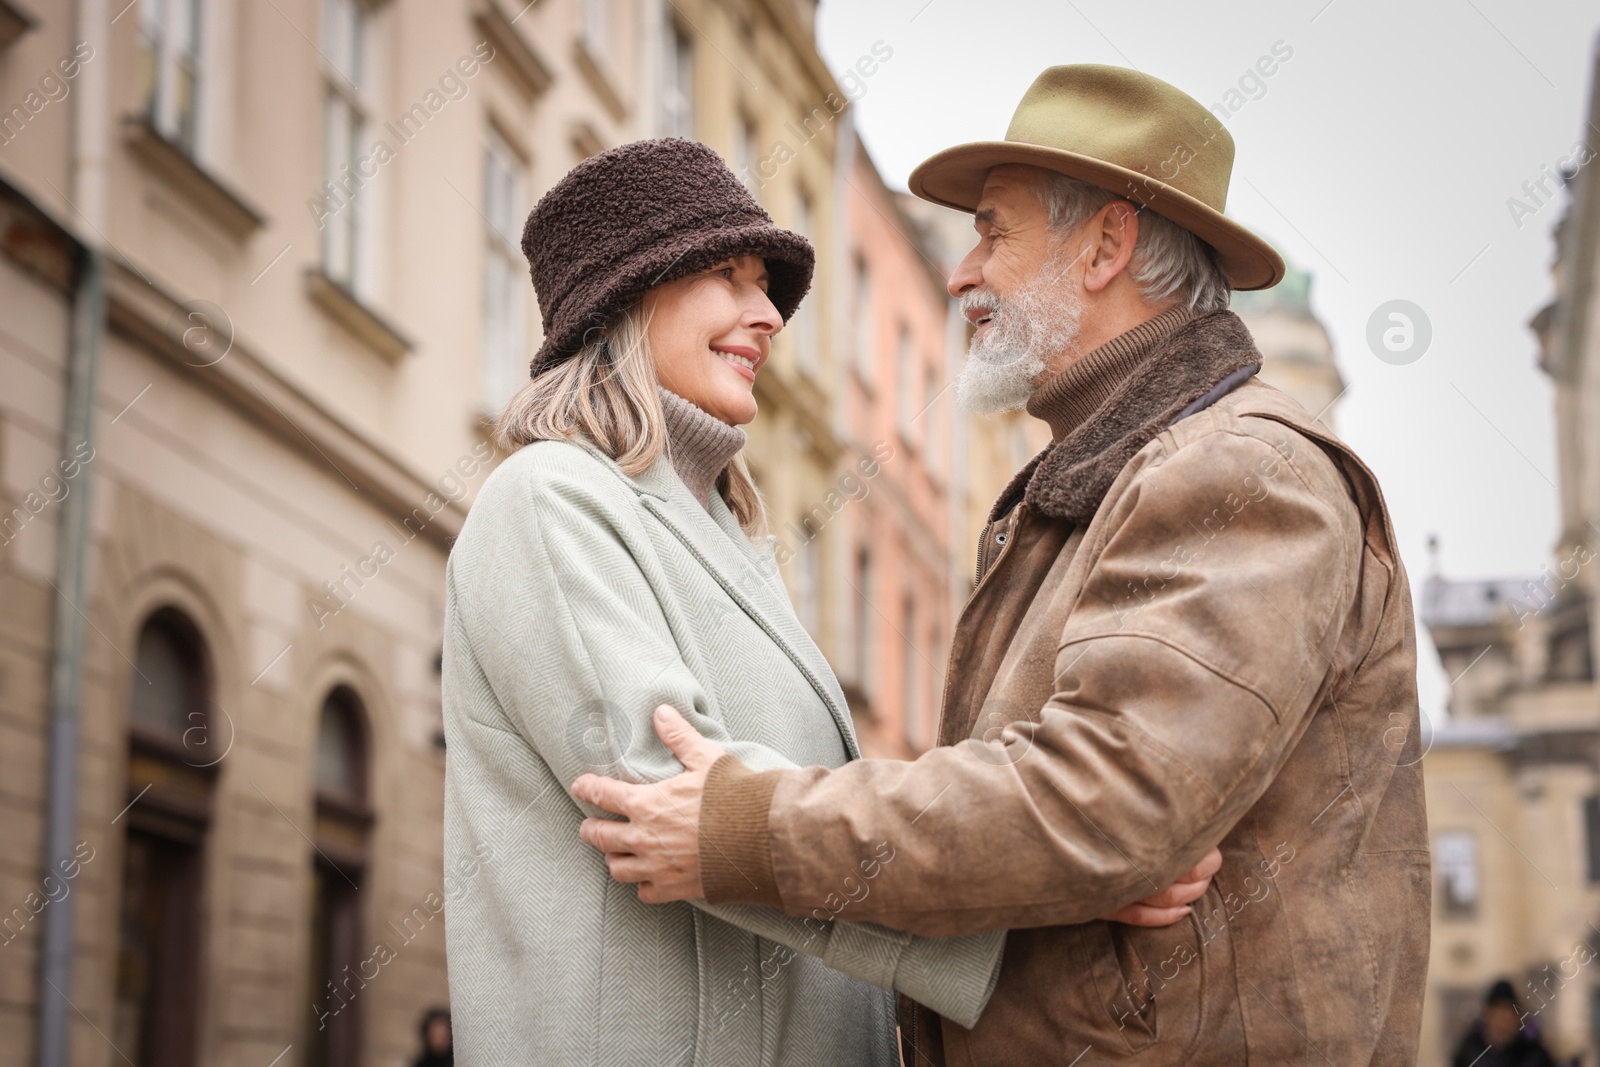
x=1380, y=156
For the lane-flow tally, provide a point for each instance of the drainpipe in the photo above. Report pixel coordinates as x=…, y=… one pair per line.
x=89, y=144
x=67, y=661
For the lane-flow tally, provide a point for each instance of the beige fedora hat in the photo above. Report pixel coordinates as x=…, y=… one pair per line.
x=1128, y=133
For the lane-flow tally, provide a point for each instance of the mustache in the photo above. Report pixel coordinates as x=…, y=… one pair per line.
x=982, y=297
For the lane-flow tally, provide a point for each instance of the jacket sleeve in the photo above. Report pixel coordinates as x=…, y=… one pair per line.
x=570, y=634
x=1184, y=677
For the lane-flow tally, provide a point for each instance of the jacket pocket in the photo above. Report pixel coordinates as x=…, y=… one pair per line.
x=1121, y=982
x=1130, y=993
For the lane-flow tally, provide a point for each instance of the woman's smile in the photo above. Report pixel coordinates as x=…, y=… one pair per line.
x=742, y=358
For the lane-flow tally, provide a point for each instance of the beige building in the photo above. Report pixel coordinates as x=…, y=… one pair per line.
x=1297, y=353
x=985, y=450
x=1513, y=777
x=262, y=292
x=896, y=470
x=259, y=286
x=746, y=79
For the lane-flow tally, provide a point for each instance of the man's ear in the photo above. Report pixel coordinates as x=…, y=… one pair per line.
x=1112, y=234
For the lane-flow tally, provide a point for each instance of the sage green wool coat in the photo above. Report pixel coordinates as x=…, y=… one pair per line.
x=578, y=598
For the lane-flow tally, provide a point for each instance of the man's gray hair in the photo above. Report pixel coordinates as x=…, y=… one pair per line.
x=1168, y=260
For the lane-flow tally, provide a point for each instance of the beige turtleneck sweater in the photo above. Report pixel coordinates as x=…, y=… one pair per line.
x=699, y=444
x=1068, y=400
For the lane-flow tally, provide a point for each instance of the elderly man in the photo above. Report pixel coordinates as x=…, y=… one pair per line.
x=1191, y=628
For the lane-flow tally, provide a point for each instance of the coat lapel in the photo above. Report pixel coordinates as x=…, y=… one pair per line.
x=746, y=571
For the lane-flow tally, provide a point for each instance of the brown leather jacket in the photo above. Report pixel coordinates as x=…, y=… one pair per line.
x=1192, y=629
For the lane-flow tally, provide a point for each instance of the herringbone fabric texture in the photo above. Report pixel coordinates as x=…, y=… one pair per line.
x=577, y=600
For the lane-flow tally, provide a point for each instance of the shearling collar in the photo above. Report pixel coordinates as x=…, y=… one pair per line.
x=1113, y=401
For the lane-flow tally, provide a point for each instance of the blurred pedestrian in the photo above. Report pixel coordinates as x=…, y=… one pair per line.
x=1500, y=1036
x=436, y=1040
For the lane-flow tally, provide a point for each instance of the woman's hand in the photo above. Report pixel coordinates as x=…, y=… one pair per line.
x=1172, y=903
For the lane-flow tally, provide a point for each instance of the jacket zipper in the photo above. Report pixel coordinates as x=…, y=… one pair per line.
x=983, y=543
x=985, y=565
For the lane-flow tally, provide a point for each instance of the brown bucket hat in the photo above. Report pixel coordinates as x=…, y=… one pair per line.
x=1130, y=134
x=638, y=216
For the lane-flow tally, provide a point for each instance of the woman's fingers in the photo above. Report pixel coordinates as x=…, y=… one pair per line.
x=1206, y=869
x=1178, y=894
x=1171, y=904
x=1144, y=915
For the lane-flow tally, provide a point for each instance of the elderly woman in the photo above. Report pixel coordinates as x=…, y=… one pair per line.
x=616, y=562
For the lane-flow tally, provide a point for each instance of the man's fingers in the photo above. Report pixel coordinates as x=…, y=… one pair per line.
x=608, y=835
x=608, y=793
x=626, y=868
x=687, y=743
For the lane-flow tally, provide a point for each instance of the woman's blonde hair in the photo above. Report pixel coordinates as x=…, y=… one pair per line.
x=607, y=393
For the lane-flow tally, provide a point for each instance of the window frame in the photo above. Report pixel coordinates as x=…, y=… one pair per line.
x=170, y=799
x=348, y=108
x=505, y=327
x=340, y=859
x=1452, y=906
x=865, y=325
x=171, y=44
x=677, y=83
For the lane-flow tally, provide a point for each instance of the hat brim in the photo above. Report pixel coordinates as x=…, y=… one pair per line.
x=788, y=256
x=955, y=177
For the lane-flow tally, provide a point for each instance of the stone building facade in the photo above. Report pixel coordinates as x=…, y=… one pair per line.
x=1297, y=353
x=260, y=295
x=896, y=471
x=1513, y=776
x=259, y=289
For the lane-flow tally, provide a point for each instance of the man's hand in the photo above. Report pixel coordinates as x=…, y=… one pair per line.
x=1171, y=904
x=658, y=846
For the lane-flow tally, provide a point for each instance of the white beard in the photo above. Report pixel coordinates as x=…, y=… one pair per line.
x=1025, y=331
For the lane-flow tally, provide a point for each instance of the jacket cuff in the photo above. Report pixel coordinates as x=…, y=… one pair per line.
x=735, y=851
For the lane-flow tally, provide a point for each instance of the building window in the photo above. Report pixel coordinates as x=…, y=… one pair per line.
x=804, y=321
x=505, y=280
x=912, y=694
x=744, y=152
x=171, y=776
x=1455, y=863
x=866, y=646
x=863, y=311
x=932, y=453
x=346, y=111
x=1591, y=836
x=597, y=28
x=808, y=579
x=677, y=84
x=905, y=384
x=169, y=62
x=342, y=823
